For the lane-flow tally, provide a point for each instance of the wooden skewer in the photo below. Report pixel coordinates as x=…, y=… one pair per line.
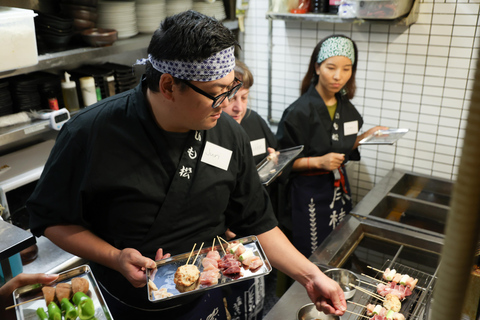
x=368, y=283
x=213, y=244
x=366, y=275
x=223, y=240
x=198, y=253
x=19, y=304
x=375, y=269
x=379, y=297
x=357, y=314
x=358, y=304
x=191, y=253
x=221, y=245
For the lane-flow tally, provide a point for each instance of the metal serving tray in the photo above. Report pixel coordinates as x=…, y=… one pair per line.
x=389, y=136
x=163, y=276
x=269, y=169
x=28, y=310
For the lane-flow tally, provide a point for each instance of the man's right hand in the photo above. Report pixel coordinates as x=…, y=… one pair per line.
x=132, y=265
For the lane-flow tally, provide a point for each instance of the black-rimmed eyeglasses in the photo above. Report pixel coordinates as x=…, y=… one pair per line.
x=217, y=101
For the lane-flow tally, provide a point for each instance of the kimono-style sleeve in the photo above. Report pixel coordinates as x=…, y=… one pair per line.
x=293, y=130
x=249, y=210
x=57, y=196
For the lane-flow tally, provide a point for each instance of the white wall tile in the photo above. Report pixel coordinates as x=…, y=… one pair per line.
x=419, y=77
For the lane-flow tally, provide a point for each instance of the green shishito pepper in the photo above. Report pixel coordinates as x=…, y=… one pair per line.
x=54, y=312
x=86, y=309
x=42, y=314
x=70, y=311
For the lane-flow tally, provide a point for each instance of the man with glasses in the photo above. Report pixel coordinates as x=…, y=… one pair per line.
x=157, y=169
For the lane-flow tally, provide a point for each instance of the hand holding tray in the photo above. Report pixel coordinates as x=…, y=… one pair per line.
x=162, y=277
x=270, y=167
x=389, y=136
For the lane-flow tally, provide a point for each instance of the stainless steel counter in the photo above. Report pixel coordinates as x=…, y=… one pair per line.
x=369, y=237
x=52, y=259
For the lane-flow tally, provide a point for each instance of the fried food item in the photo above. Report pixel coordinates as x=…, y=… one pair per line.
x=63, y=290
x=162, y=293
x=152, y=285
x=48, y=294
x=186, y=278
x=80, y=284
x=392, y=303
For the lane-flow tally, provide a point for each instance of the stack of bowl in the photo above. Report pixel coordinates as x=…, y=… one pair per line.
x=83, y=12
x=149, y=14
x=118, y=15
x=177, y=6
x=54, y=32
x=214, y=9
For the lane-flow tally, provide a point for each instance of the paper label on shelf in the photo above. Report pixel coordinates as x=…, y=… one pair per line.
x=4, y=168
x=35, y=128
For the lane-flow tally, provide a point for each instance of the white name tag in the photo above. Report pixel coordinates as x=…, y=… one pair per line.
x=216, y=156
x=258, y=146
x=350, y=127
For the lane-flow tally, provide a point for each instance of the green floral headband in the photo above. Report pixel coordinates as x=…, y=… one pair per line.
x=336, y=46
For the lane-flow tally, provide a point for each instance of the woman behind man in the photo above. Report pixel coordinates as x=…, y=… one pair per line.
x=325, y=121
x=261, y=137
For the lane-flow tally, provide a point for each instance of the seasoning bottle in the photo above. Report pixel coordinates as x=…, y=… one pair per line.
x=111, y=85
x=70, y=97
x=89, y=94
x=319, y=6
x=333, y=6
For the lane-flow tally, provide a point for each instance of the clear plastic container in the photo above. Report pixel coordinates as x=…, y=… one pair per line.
x=383, y=9
x=17, y=36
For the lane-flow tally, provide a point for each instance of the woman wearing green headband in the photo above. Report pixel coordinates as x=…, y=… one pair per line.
x=325, y=121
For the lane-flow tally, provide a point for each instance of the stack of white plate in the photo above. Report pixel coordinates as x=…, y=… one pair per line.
x=210, y=8
x=118, y=15
x=177, y=6
x=149, y=14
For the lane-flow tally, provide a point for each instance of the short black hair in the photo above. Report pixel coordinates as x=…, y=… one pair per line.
x=188, y=35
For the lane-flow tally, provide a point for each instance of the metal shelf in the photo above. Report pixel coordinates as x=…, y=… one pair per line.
x=16, y=133
x=64, y=58
x=407, y=20
x=78, y=55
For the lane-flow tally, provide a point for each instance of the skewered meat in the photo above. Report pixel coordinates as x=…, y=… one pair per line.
x=209, y=277
x=208, y=261
x=63, y=290
x=396, y=289
x=398, y=278
x=213, y=254
x=80, y=284
x=186, y=277
x=48, y=294
x=392, y=303
x=383, y=313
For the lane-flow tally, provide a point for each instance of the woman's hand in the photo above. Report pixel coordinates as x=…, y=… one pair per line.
x=21, y=280
x=331, y=161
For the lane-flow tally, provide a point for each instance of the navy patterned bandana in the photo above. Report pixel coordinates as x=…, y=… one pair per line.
x=213, y=68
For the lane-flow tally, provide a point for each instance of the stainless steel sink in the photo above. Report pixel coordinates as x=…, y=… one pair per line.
x=419, y=214
x=409, y=199
x=424, y=188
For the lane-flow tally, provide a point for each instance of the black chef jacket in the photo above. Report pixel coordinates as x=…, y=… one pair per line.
x=307, y=122
x=257, y=129
x=110, y=172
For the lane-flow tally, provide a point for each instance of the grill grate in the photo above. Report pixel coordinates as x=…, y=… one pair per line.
x=413, y=306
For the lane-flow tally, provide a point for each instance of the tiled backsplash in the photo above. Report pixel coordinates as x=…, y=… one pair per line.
x=418, y=77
